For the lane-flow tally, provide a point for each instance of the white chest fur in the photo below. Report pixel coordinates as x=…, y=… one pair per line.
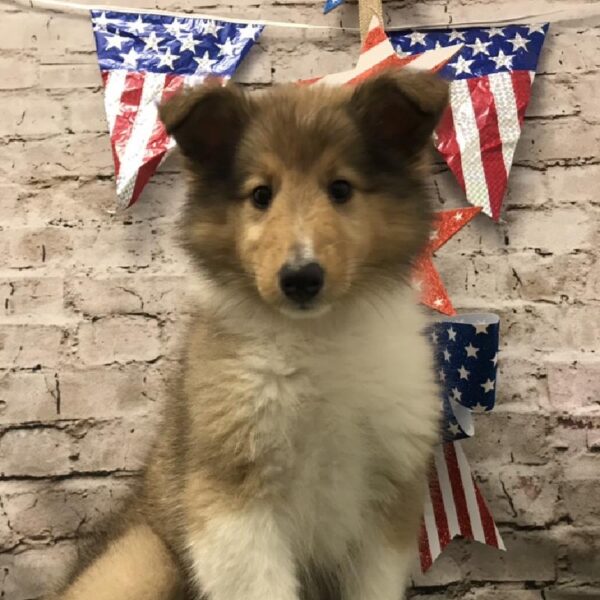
x=339, y=404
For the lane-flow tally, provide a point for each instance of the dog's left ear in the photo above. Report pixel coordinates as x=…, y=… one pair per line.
x=398, y=110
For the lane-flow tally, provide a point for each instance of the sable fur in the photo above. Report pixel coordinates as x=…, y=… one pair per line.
x=295, y=445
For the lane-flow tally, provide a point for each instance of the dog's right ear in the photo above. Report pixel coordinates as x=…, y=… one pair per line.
x=207, y=123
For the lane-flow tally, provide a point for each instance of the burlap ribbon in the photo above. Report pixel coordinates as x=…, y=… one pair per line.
x=367, y=9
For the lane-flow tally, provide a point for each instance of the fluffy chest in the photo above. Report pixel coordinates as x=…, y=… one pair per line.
x=344, y=412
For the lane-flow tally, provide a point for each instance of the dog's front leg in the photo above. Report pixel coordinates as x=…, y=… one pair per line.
x=380, y=570
x=243, y=556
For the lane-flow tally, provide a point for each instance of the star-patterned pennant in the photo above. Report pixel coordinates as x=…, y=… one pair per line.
x=146, y=58
x=331, y=4
x=491, y=79
x=426, y=278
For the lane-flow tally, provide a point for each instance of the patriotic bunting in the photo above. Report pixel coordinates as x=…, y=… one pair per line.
x=331, y=4
x=145, y=58
x=466, y=352
x=491, y=78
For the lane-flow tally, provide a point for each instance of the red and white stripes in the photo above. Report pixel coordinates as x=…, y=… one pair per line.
x=454, y=506
x=479, y=132
x=139, y=139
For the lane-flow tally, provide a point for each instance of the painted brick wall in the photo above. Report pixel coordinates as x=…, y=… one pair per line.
x=90, y=302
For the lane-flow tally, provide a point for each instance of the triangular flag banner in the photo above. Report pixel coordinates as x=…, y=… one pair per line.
x=331, y=4
x=491, y=87
x=425, y=277
x=144, y=59
x=466, y=358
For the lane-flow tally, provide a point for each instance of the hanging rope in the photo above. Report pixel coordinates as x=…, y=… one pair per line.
x=581, y=13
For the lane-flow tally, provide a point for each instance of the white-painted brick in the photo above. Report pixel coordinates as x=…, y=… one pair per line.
x=93, y=304
x=119, y=339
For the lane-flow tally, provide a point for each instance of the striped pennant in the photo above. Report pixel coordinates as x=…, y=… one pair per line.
x=490, y=89
x=144, y=59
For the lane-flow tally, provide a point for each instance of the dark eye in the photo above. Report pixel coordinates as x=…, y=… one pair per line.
x=262, y=196
x=340, y=191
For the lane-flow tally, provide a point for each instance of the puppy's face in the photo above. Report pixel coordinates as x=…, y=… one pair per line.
x=305, y=194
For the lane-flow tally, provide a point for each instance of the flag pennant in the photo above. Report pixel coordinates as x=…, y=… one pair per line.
x=146, y=58
x=331, y=4
x=491, y=78
x=466, y=357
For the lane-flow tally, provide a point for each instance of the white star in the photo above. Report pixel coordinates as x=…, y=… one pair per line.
x=434, y=235
x=442, y=375
x=434, y=337
x=536, y=28
x=174, y=27
x=464, y=374
x=418, y=285
x=101, y=22
x=249, y=32
x=495, y=359
x=417, y=37
x=480, y=47
x=471, y=350
x=488, y=386
x=211, y=28
x=114, y=41
x=166, y=60
x=494, y=31
x=130, y=59
x=152, y=42
x=480, y=328
x=227, y=48
x=188, y=43
x=458, y=216
x=519, y=42
x=438, y=302
x=462, y=65
x=451, y=334
x=139, y=26
x=456, y=395
x=479, y=407
x=447, y=355
x=454, y=429
x=205, y=63
x=456, y=35
x=502, y=60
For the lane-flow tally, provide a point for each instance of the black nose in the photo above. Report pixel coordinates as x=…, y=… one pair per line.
x=303, y=283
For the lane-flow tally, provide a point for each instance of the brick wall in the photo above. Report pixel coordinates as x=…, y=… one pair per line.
x=90, y=302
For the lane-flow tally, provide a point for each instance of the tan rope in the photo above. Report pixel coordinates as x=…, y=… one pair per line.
x=577, y=13
x=367, y=9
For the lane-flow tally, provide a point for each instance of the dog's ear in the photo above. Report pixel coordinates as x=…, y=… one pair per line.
x=207, y=122
x=398, y=110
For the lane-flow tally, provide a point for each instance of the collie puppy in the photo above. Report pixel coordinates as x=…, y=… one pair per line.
x=294, y=452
